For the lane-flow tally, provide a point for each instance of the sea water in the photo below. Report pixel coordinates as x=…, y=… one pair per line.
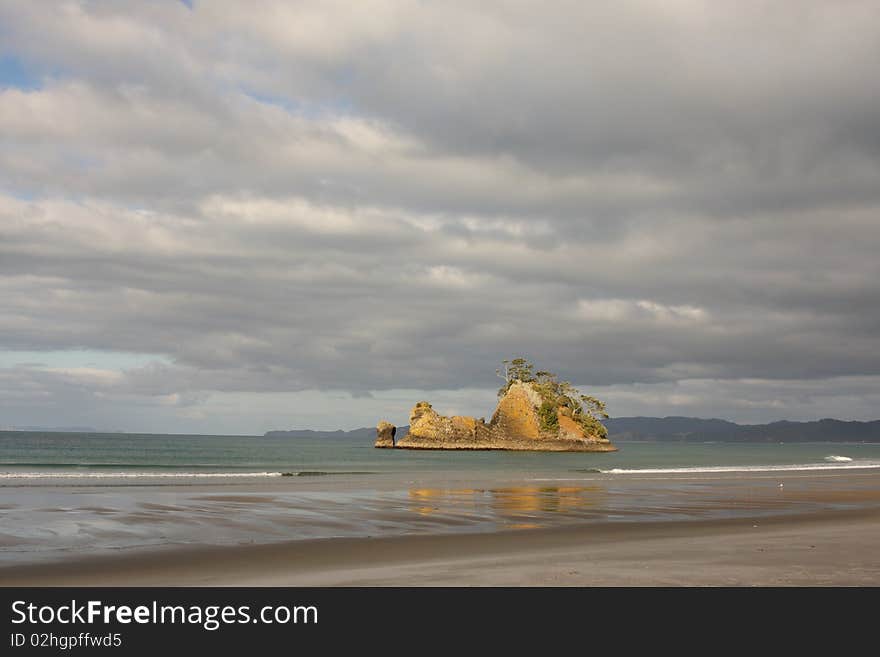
x=64, y=494
x=26, y=455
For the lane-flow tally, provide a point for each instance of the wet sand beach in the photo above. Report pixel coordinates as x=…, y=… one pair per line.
x=724, y=530
x=833, y=548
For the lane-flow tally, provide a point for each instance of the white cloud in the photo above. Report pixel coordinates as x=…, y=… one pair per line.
x=625, y=310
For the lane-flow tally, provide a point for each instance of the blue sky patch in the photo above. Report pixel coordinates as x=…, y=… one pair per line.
x=14, y=73
x=313, y=110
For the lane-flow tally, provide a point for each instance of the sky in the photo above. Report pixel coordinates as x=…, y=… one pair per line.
x=227, y=217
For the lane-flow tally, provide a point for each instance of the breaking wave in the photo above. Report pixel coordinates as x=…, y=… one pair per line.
x=795, y=467
x=132, y=475
x=171, y=475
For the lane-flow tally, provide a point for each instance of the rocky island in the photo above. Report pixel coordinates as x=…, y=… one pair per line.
x=535, y=412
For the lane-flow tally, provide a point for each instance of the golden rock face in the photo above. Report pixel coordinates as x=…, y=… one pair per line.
x=569, y=428
x=515, y=425
x=425, y=423
x=385, y=432
x=515, y=414
x=463, y=424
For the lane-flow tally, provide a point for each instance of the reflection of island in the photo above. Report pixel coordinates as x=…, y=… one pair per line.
x=528, y=499
x=426, y=501
x=518, y=505
x=523, y=420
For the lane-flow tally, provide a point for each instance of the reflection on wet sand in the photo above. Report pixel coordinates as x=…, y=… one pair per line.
x=519, y=507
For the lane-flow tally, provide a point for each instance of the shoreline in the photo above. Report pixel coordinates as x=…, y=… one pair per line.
x=823, y=548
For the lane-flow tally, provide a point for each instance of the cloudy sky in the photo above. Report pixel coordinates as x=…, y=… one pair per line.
x=229, y=217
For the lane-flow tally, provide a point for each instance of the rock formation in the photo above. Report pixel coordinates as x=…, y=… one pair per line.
x=385, y=434
x=515, y=425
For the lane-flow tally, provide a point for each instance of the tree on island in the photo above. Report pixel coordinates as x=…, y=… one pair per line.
x=556, y=397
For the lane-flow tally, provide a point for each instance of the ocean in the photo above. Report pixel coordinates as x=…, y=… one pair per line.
x=27, y=456
x=64, y=494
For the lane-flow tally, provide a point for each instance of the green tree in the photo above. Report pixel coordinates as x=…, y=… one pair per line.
x=556, y=396
x=516, y=369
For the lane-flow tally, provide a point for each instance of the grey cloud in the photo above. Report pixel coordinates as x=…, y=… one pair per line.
x=328, y=310
x=286, y=198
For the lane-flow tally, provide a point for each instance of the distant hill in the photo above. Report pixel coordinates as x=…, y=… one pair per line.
x=59, y=429
x=364, y=432
x=682, y=429
x=689, y=429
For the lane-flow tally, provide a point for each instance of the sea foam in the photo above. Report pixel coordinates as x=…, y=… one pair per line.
x=132, y=475
x=837, y=465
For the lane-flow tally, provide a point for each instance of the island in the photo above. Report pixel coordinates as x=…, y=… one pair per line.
x=536, y=412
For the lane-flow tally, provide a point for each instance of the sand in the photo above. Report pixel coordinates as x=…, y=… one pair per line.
x=827, y=548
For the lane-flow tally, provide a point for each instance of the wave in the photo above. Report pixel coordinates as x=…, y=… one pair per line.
x=176, y=475
x=170, y=466
x=133, y=475
x=834, y=458
x=794, y=467
x=322, y=473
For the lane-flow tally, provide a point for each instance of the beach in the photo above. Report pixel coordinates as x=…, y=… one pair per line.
x=303, y=293
x=716, y=529
x=823, y=549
